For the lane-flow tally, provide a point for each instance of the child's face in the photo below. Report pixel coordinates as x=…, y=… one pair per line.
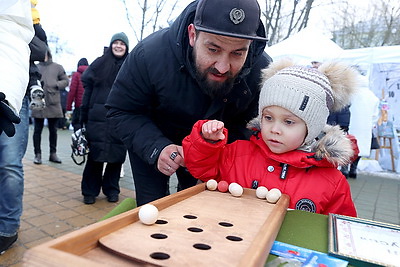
x=281, y=130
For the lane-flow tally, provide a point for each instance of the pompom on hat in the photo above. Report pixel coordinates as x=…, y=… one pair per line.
x=308, y=93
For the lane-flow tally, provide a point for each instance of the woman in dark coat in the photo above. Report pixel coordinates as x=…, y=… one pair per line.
x=104, y=146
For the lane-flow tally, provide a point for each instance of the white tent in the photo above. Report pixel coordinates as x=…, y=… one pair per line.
x=373, y=55
x=305, y=46
x=382, y=65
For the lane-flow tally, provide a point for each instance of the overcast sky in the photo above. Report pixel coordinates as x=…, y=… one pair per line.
x=86, y=26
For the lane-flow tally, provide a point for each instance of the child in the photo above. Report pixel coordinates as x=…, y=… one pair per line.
x=292, y=148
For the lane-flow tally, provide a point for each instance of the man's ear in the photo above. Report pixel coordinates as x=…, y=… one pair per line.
x=192, y=34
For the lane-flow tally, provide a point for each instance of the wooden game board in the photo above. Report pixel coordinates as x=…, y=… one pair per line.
x=195, y=227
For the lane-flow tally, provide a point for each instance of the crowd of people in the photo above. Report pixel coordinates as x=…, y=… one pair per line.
x=170, y=102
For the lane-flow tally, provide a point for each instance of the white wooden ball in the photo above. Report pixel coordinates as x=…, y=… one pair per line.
x=273, y=195
x=261, y=192
x=212, y=184
x=148, y=214
x=236, y=189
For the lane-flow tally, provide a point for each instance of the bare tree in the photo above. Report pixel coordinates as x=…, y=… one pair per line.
x=57, y=45
x=150, y=14
x=144, y=11
x=281, y=22
x=378, y=25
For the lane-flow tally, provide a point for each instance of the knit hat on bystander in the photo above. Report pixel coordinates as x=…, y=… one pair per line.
x=120, y=36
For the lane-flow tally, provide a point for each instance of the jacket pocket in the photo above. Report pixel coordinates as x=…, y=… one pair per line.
x=52, y=97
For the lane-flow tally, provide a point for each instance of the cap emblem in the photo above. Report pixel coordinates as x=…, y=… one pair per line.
x=237, y=15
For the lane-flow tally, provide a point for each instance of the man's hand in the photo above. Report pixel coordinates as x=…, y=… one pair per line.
x=7, y=117
x=213, y=130
x=170, y=159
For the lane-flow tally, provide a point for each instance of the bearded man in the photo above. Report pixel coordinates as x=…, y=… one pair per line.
x=205, y=66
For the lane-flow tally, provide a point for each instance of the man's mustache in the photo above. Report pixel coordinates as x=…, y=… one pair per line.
x=216, y=72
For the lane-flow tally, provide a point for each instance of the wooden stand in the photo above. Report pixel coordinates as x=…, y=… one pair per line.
x=383, y=145
x=202, y=228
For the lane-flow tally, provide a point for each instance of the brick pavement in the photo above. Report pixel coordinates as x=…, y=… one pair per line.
x=53, y=202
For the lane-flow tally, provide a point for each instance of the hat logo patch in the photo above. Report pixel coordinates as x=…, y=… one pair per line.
x=304, y=103
x=237, y=15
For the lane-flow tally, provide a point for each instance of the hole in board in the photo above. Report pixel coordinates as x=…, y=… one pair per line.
x=159, y=256
x=190, y=217
x=202, y=246
x=159, y=236
x=234, y=238
x=195, y=229
x=225, y=224
x=161, y=222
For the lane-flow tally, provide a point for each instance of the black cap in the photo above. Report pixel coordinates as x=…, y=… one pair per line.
x=233, y=18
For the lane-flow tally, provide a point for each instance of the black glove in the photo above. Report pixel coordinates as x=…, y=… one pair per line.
x=84, y=116
x=7, y=117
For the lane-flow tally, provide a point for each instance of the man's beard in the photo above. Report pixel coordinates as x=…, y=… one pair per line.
x=214, y=89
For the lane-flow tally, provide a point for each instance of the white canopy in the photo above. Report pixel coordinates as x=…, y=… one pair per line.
x=305, y=46
x=372, y=55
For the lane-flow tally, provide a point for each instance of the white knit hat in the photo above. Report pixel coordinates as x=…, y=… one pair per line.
x=308, y=93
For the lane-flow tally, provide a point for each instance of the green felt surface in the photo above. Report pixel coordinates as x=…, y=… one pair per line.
x=125, y=205
x=304, y=229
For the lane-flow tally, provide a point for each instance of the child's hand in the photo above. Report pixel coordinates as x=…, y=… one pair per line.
x=213, y=130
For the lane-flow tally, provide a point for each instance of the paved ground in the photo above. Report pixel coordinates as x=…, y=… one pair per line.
x=53, y=202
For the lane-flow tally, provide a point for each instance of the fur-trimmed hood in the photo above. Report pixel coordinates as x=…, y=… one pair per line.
x=332, y=145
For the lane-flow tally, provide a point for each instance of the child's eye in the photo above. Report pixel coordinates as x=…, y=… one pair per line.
x=267, y=117
x=289, y=122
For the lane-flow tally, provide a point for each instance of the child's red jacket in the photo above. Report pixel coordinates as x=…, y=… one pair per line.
x=314, y=185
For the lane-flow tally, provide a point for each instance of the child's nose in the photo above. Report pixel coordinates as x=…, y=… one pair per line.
x=276, y=128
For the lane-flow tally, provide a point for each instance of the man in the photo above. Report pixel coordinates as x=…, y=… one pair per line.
x=16, y=32
x=205, y=66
